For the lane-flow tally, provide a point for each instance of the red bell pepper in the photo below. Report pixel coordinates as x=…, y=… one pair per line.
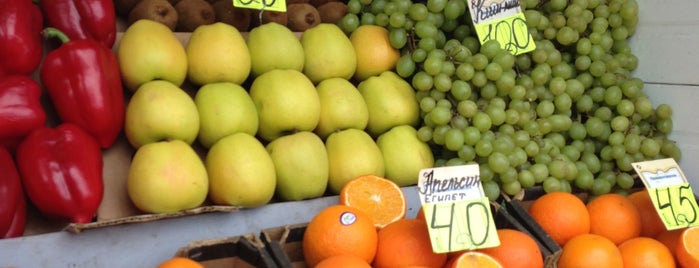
x=83, y=80
x=20, y=37
x=61, y=169
x=13, y=209
x=82, y=19
x=20, y=108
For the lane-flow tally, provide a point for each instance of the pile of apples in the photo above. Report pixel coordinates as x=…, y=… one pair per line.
x=273, y=115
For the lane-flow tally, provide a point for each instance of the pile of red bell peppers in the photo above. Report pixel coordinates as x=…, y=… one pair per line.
x=56, y=166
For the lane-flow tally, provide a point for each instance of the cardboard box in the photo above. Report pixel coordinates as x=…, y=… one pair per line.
x=245, y=251
x=285, y=242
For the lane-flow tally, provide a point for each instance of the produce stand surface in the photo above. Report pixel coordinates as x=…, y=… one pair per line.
x=664, y=42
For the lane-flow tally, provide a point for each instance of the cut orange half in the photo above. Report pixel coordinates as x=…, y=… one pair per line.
x=379, y=197
x=687, y=250
x=469, y=259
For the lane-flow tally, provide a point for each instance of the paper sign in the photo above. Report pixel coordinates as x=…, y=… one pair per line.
x=265, y=5
x=670, y=192
x=503, y=21
x=456, y=209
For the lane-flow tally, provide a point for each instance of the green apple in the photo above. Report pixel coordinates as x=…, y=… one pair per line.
x=149, y=50
x=167, y=176
x=160, y=110
x=301, y=163
x=341, y=107
x=328, y=53
x=352, y=153
x=286, y=102
x=274, y=46
x=404, y=154
x=241, y=172
x=217, y=53
x=391, y=102
x=224, y=108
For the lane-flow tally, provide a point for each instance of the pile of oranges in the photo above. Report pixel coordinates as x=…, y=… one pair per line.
x=613, y=230
x=369, y=228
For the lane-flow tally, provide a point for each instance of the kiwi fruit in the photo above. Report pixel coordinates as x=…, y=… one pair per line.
x=123, y=7
x=260, y=17
x=229, y=14
x=194, y=13
x=172, y=2
x=157, y=10
x=302, y=16
x=332, y=12
x=296, y=1
x=317, y=3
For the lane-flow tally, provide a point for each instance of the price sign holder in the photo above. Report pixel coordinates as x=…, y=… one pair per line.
x=503, y=21
x=457, y=212
x=670, y=192
x=265, y=5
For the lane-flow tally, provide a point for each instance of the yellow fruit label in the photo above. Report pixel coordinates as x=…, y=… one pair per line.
x=670, y=192
x=456, y=209
x=502, y=20
x=269, y=5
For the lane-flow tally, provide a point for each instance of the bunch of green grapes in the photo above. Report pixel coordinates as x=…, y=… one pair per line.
x=568, y=115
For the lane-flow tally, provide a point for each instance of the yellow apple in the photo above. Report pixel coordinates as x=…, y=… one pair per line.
x=167, y=176
x=351, y=153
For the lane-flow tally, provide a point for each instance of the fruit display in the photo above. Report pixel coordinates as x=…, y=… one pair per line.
x=215, y=106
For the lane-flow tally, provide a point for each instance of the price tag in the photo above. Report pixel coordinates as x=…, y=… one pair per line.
x=267, y=5
x=503, y=21
x=670, y=192
x=456, y=209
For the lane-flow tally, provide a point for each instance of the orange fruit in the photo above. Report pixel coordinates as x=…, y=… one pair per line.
x=180, y=262
x=380, y=198
x=468, y=259
x=590, y=250
x=614, y=216
x=687, y=250
x=338, y=261
x=406, y=242
x=339, y=230
x=646, y=252
x=670, y=238
x=651, y=224
x=374, y=51
x=516, y=250
x=562, y=215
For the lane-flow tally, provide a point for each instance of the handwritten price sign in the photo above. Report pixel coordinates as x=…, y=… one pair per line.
x=670, y=192
x=456, y=209
x=267, y=5
x=502, y=20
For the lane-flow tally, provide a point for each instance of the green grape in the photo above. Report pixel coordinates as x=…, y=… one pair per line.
x=432, y=65
x=454, y=139
x=390, y=8
x=427, y=43
x=349, y=22
x=491, y=189
x=424, y=29
x=467, y=108
x=382, y=19
x=427, y=104
x=467, y=153
x=664, y=125
x=465, y=72
x=354, y=6
x=624, y=180
x=398, y=37
x=418, y=11
x=600, y=187
x=454, y=8
x=442, y=82
x=377, y=6
x=422, y=81
x=650, y=148
x=483, y=148
x=663, y=111
x=436, y=6
x=493, y=71
x=460, y=90
x=419, y=55
x=405, y=66
x=439, y=133
x=424, y=133
x=367, y=19
x=479, y=61
x=455, y=162
x=526, y=179
x=551, y=184
x=512, y=188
